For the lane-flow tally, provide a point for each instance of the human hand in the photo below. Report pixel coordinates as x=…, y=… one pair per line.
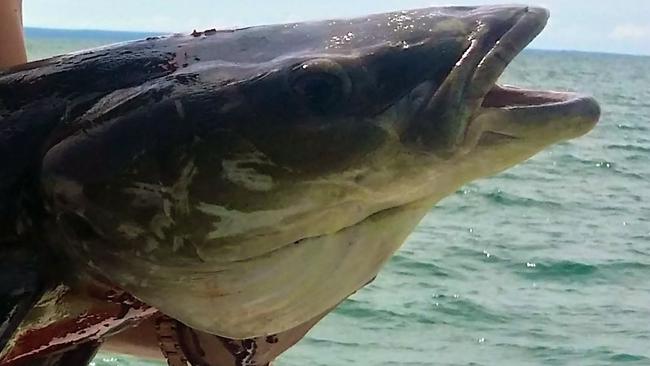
x=12, y=43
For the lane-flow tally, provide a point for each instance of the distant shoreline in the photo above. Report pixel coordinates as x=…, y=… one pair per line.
x=32, y=32
x=121, y=36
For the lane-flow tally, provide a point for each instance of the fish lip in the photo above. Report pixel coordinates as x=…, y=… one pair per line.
x=515, y=98
x=442, y=124
x=519, y=101
x=529, y=24
x=538, y=107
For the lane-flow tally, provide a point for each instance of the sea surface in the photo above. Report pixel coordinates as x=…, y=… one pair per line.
x=545, y=264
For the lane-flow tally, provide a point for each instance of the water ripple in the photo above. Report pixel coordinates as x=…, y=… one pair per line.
x=508, y=199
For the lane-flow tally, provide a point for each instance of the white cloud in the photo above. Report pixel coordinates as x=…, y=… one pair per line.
x=633, y=32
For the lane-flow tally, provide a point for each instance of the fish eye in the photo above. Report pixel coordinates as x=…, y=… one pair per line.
x=322, y=84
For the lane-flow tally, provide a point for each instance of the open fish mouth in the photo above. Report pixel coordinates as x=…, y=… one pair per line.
x=579, y=112
x=529, y=112
x=494, y=113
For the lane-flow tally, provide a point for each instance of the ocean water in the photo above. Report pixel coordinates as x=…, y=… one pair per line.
x=545, y=264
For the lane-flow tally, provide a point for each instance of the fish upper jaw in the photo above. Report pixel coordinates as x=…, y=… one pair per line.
x=499, y=35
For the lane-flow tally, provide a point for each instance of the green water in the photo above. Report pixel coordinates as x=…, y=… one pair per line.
x=546, y=264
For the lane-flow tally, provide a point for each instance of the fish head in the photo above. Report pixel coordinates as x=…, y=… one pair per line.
x=279, y=167
x=423, y=82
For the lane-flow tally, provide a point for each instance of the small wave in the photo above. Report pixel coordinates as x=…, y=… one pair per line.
x=549, y=353
x=632, y=104
x=625, y=357
x=565, y=270
x=466, y=310
x=572, y=159
x=357, y=310
x=636, y=158
x=330, y=342
x=604, y=165
x=631, y=128
x=509, y=176
x=410, y=267
x=628, y=266
x=576, y=272
x=629, y=147
x=508, y=199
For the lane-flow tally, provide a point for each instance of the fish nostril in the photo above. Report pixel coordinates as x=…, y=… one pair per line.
x=78, y=227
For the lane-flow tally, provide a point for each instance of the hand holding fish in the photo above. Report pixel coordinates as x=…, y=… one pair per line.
x=12, y=44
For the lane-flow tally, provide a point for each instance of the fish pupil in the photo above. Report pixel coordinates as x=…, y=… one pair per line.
x=320, y=91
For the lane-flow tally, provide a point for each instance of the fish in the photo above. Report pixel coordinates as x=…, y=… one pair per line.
x=245, y=182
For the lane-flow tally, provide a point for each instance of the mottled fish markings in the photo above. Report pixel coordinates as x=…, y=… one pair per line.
x=241, y=170
x=245, y=182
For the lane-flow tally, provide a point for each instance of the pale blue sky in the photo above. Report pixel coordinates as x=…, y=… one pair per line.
x=621, y=26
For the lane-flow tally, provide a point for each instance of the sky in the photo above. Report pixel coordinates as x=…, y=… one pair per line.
x=621, y=26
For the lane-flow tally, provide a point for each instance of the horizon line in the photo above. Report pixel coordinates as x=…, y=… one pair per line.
x=159, y=33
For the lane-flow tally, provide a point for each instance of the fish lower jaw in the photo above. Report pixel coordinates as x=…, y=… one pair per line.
x=526, y=116
x=287, y=287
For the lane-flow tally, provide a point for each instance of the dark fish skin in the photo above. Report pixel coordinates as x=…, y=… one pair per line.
x=135, y=88
x=43, y=102
x=45, y=96
x=35, y=100
x=21, y=285
x=40, y=101
x=245, y=182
